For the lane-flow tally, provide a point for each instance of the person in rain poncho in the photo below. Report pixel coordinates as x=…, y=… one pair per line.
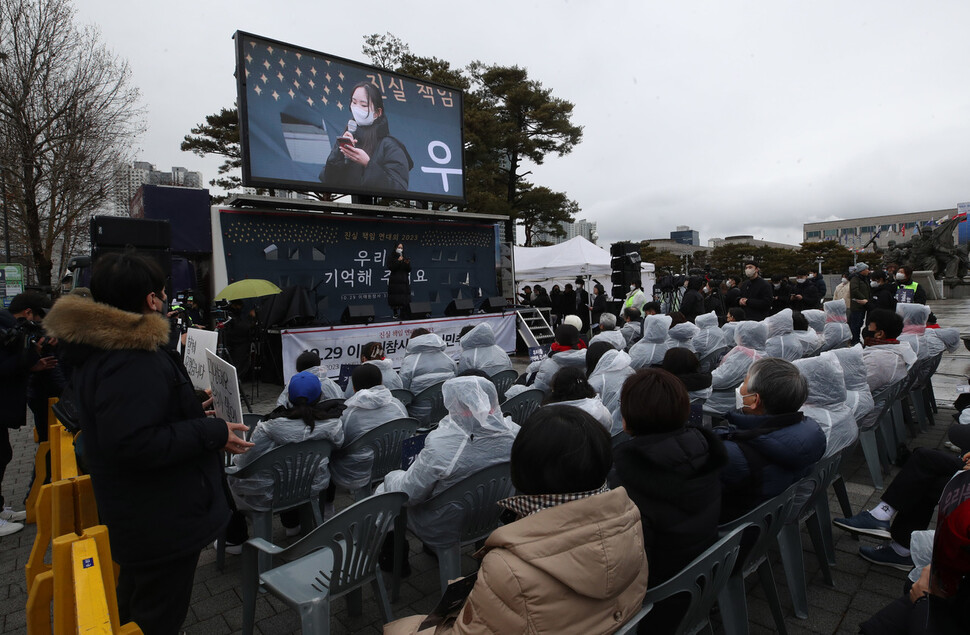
x=709, y=341
x=836, y=331
x=826, y=402
x=816, y=319
x=309, y=361
x=809, y=338
x=426, y=363
x=782, y=342
x=681, y=335
x=472, y=436
x=914, y=326
x=858, y=396
x=303, y=421
x=887, y=359
x=939, y=340
x=373, y=353
x=478, y=350
x=609, y=333
x=685, y=366
x=729, y=329
x=571, y=388
x=750, y=346
x=631, y=329
x=607, y=369
x=649, y=351
x=569, y=353
x=370, y=406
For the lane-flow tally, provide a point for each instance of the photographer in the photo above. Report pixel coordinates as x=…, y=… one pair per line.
x=21, y=345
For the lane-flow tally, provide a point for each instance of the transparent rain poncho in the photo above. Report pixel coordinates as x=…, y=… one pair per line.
x=729, y=330
x=858, y=395
x=811, y=341
x=631, y=332
x=826, y=402
x=836, y=330
x=425, y=363
x=592, y=405
x=614, y=338
x=329, y=387
x=473, y=436
x=816, y=319
x=682, y=336
x=478, y=350
x=914, y=325
x=782, y=341
x=937, y=341
x=650, y=350
x=607, y=379
x=389, y=377
x=709, y=338
x=552, y=365
x=887, y=364
x=366, y=409
x=749, y=338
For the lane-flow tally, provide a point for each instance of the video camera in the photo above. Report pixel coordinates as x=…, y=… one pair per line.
x=178, y=314
x=22, y=336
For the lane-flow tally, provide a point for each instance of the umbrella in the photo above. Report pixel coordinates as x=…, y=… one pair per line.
x=243, y=289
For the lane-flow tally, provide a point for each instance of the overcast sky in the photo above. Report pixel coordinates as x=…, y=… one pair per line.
x=731, y=117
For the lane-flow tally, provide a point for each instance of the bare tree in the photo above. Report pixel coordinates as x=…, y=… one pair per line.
x=68, y=116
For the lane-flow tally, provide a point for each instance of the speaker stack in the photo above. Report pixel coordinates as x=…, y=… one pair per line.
x=625, y=263
x=152, y=238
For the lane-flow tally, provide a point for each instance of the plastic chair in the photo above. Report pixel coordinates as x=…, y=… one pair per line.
x=336, y=558
x=403, y=395
x=292, y=467
x=431, y=400
x=385, y=441
x=764, y=522
x=790, y=540
x=474, y=496
x=251, y=419
x=874, y=437
x=521, y=406
x=503, y=380
x=704, y=579
x=710, y=361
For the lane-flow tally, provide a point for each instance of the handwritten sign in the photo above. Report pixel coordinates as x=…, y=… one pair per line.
x=196, y=343
x=225, y=388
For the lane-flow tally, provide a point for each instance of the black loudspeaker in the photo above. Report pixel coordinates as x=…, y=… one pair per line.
x=495, y=305
x=627, y=261
x=619, y=249
x=141, y=233
x=624, y=279
x=460, y=306
x=615, y=307
x=619, y=291
x=358, y=314
x=417, y=311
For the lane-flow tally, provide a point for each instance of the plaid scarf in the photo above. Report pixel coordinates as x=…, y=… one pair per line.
x=527, y=504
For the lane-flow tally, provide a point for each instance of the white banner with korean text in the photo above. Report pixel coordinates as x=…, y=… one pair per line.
x=342, y=344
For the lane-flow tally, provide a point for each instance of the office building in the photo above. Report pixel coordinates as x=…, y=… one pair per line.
x=870, y=232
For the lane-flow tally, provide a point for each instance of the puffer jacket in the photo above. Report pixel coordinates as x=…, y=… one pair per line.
x=478, y=350
x=650, y=350
x=552, y=365
x=425, y=363
x=365, y=410
x=607, y=379
x=750, y=339
x=614, y=338
x=152, y=454
x=782, y=342
x=786, y=451
x=578, y=567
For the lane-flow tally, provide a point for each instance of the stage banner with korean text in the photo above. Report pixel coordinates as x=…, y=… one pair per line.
x=341, y=344
x=314, y=121
x=342, y=260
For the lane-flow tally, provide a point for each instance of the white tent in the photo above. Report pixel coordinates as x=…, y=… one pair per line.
x=562, y=263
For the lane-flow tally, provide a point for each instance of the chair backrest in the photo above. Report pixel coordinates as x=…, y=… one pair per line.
x=710, y=361
x=292, y=467
x=521, y=406
x=403, y=395
x=476, y=496
x=355, y=536
x=251, y=419
x=432, y=398
x=820, y=479
x=503, y=380
x=883, y=400
x=703, y=579
x=386, y=441
x=764, y=523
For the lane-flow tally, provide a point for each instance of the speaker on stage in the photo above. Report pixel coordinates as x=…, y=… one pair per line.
x=495, y=305
x=460, y=306
x=358, y=314
x=417, y=311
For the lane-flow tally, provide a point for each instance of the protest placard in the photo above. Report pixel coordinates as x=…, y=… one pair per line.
x=196, y=343
x=225, y=388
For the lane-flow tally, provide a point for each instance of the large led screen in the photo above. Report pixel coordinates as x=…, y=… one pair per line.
x=312, y=121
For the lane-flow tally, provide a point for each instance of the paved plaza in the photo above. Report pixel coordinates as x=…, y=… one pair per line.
x=860, y=587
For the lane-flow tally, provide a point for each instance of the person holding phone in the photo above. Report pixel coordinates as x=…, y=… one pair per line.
x=366, y=156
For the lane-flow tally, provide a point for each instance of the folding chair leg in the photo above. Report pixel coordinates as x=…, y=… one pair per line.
x=843, y=495
x=315, y=617
x=919, y=405
x=817, y=533
x=400, y=545
x=931, y=396
x=824, y=519
x=449, y=564
x=899, y=421
x=380, y=593
x=929, y=406
x=250, y=588
x=767, y=578
x=790, y=546
x=870, y=449
x=733, y=606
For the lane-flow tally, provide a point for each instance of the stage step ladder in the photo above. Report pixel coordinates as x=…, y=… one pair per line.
x=534, y=327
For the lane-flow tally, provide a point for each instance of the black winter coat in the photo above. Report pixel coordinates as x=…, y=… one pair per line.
x=15, y=364
x=759, y=294
x=809, y=292
x=399, y=284
x=387, y=169
x=692, y=304
x=152, y=454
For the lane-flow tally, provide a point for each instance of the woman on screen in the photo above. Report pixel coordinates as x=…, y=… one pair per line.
x=366, y=156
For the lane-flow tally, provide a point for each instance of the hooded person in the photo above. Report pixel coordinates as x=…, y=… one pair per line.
x=685, y=366
x=827, y=402
x=749, y=347
x=649, y=351
x=632, y=328
x=816, y=319
x=709, y=339
x=608, y=368
x=914, y=326
x=858, y=395
x=566, y=352
x=782, y=341
x=939, y=340
x=810, y=339
x=309, y=361
x=609, y=333
x=478, y=350
x=682, y=336
x=836, y=331
x=571, y=388
x=371, y=405
x=729, y=329
x=302, y=421
x=425, y=363
x=373, y=353
x=887, y=359
x=472, y=436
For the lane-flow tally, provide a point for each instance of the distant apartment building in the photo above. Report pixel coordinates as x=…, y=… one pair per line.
x=582, y=227
x=871, y=232
x=129, y=178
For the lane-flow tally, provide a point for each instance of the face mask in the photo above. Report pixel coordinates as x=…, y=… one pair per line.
x=873, y=284
x=900, y=276
x=399, y=250
x=801, y=280
x=707, y=290
x=811, y=276
x=362, y=116
x=868, y=333
x=739, y=398
x=633, y=287
x=777, y=286
x=844, y=279
x=751, y=273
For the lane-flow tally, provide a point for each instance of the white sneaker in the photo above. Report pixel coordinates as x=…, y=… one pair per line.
x=7, y=528
x=9, y=514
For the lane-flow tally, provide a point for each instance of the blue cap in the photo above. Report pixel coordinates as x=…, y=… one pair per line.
x=304, y=385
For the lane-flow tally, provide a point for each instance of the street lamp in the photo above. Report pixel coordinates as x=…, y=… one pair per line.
x=820, y=260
